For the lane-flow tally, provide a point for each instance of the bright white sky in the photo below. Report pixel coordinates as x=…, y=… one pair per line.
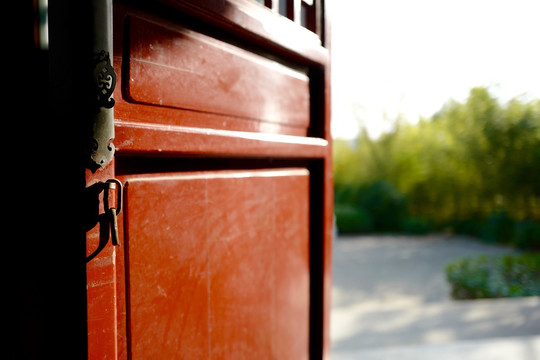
x=411, y=56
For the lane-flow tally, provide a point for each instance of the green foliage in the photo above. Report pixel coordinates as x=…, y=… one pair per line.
x=377, y=207
x=498, y=227
x=350, y=219
x=416, y=225
x=494, y=277
x=526, y=235
x=473, y=167
x=385, y=204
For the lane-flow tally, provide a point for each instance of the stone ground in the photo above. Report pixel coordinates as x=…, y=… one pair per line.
x=391, y=301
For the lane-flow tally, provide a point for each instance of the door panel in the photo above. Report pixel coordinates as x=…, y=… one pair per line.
x=180, y=68
x=217, y=265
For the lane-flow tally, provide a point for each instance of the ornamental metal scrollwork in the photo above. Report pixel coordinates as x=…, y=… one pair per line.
x=100, y=147
x=105, y=80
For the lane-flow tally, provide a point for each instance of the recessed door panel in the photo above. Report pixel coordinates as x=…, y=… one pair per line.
x=179, y=68
x=217, y=265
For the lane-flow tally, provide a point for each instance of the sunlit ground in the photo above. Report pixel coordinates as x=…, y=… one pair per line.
x=390, y=294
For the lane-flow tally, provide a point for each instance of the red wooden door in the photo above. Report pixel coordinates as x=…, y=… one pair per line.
x=222, y=260
x=223, y=149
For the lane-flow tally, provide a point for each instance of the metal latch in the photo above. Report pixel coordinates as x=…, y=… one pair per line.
x=112, y=210
x=103, y=213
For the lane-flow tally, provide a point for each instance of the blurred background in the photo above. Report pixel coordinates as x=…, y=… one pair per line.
x=436, y=126
x=436, y=116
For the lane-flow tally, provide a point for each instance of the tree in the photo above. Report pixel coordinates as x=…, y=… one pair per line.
x=466, y=162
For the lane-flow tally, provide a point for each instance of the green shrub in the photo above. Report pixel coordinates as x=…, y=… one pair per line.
x=472, y=226
x=495, y=277
x=377, y=207
x=526, y=235
x=498, y=228
x=347, y=194
x=352, y=219
x=385, y=204
x=417, y=225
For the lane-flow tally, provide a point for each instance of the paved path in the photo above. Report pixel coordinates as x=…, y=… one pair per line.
x=391, y=301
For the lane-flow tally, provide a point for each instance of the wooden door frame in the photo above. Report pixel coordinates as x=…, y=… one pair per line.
x=55, y=281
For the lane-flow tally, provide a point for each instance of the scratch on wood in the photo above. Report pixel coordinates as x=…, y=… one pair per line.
x=99, y=283
x=103, y=262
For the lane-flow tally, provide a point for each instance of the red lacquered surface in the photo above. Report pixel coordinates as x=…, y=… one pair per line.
x=134, y=138
x=167, y=275
x=101, y=285
x=259, y=265
x=218, y=265
x=172, y=75
x=184, y=69
x=262, y=24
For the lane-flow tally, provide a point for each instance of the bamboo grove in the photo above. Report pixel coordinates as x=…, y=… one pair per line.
x=473, y=167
